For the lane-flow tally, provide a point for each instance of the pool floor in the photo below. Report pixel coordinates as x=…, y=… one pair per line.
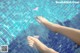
x=17, y=21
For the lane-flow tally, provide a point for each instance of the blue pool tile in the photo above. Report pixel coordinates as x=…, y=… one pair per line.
x=17, y=17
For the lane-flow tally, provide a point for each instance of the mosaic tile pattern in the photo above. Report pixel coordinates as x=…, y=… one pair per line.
x=53, y=40
x=17, y=22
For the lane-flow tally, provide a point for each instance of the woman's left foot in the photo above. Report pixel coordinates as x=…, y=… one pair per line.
x=34, y=42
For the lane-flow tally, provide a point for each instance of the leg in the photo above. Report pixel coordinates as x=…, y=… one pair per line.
x=73, y=34
x=39, y=45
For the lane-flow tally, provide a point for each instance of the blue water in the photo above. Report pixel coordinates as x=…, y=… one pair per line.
x=17, y=21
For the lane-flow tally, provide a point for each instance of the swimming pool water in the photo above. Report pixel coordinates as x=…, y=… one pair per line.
x=17, y=20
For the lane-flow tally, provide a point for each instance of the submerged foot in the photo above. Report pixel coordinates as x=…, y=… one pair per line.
x=34, y=42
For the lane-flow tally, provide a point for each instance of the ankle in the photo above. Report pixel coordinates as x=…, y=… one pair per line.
x=52, y=51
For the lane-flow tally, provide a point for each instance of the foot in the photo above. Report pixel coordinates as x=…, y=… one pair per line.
x=34, y=42
x=41, y=19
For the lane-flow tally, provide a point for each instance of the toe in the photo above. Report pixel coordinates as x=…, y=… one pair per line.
x=28, y=38
x=30, y=41
x=36, y=37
